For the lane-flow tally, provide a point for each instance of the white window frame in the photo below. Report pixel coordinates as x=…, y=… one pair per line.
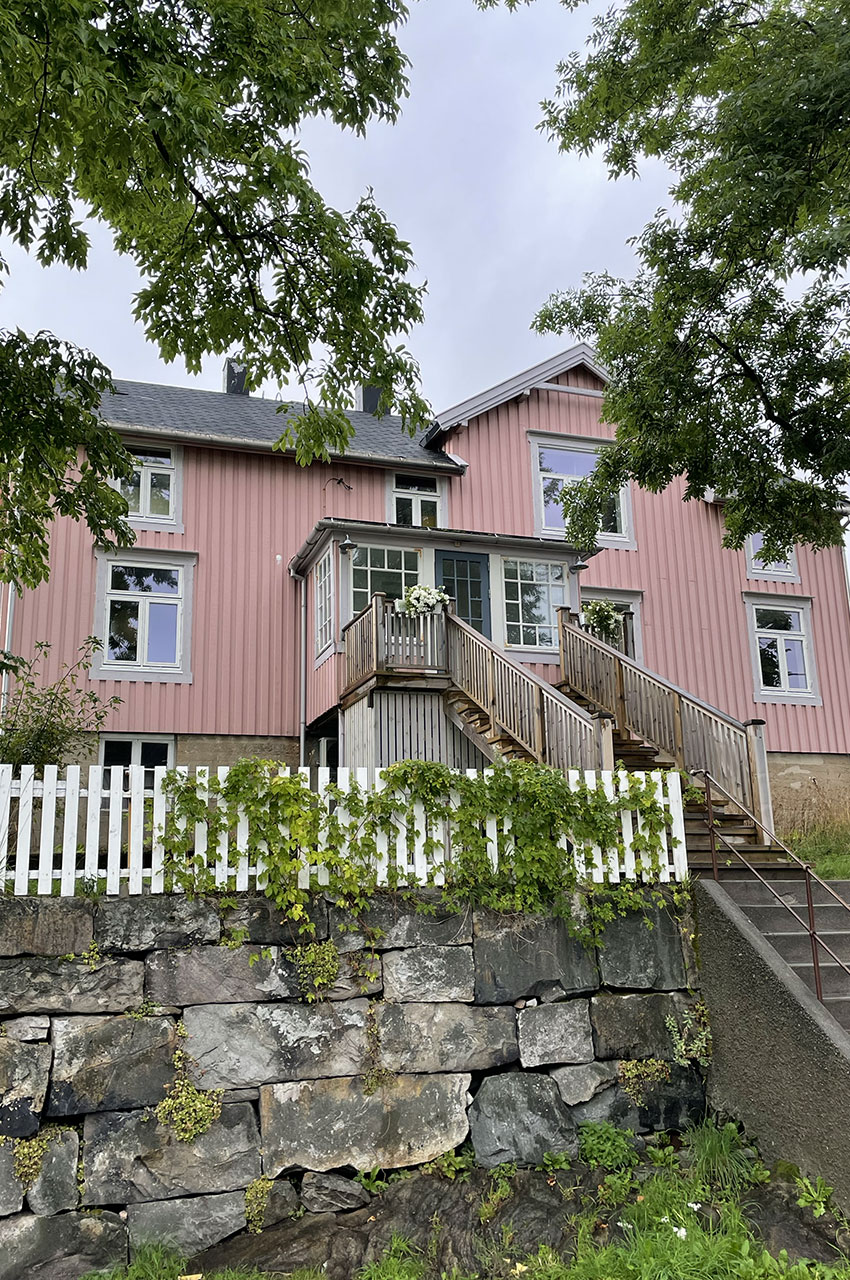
x=323, y=602
x=374, y=546
x=143, y=519
x=802, y=605
x=522, y=647
x=625, y=540
x=161, y=673
x=395, y=491
x=788, y=572
x=137, y=739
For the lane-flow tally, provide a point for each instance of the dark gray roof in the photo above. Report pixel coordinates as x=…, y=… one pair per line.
x=219, y=417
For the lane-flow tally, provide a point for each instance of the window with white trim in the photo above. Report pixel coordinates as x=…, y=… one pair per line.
x=324, y=602
x=534, y=589
x=386, y=569
x=143, y=615
x=416, y=502
x=783, y=648
x=783, y=570
x=151, y=490
x=560, y=463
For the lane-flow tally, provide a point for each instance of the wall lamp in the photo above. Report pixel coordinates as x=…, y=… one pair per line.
x=579, y=566
x=347, y=546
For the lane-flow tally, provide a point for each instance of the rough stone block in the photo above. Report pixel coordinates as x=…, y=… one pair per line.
x=612, y=1105
x=519, y=1117
x=266, y=924
x=360, y=974
x=674, y=1103
x=581, y=1083
x=64, y=1247
x=282, y=1202
x=217, y=975
x=34, y=985
x=633, y=1026
x=131, y=1157
x=24, y=1069
x=55, y=1189
x=445, y=1037
x=516, y=956
x=643, y=950
x=34, y=1027
x=325, y=1124
x=107, y=1064
x=550, y=1033
x=236, y=1046
x=160, y=920
x=44, y=926
x=11, y=1191
x=186, y=1225
x=331, y=1193
x=429, y=973
x=395, y=925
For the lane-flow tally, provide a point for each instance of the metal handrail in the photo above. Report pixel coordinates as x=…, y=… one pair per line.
x=809, y=875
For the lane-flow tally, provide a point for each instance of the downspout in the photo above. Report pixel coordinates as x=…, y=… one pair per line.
x=302, y=672
x=7, y=643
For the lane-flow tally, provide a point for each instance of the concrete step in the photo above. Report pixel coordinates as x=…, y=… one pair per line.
x=835, y=981
x=778, y=919
x=839, y=1007
x=793, y=890
x=796, y=948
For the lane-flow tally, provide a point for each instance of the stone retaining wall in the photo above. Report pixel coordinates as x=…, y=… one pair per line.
x=502, y=1030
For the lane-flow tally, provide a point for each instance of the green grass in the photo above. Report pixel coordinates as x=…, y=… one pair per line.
x=827, y=848
x=155, y=1262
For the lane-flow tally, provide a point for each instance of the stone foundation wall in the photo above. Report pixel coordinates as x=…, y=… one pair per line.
x=502, y=1030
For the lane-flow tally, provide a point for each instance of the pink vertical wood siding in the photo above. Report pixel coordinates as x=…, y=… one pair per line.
x=240, y=512
x=693, y=617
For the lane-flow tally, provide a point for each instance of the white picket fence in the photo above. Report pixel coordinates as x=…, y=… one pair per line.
x=101, y=828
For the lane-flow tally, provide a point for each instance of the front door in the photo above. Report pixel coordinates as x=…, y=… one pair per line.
x=466, y=578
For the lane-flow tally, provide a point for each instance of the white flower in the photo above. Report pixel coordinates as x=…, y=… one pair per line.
x=680, y=1232
x=423, y=599
x=695, y=1206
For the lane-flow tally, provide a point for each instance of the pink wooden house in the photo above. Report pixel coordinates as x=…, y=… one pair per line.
x=255, y=613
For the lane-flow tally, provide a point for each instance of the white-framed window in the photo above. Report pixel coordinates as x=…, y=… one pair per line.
x=143, y=613
x=558, y=462
x=323, y=602
x=534, y=589
x=154, y=490
x=147, y=749
x=782, y=570
x=628, y=603
x=781, y=644
x=388, y=569
x=417, y=502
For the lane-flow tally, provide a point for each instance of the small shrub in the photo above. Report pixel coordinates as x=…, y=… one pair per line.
x=186, y=1110
x=603, y=1146
x=256, y=1202
x=692, y=1040
x=639, y=1078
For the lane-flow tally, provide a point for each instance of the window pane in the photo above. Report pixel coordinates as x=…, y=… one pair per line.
x=376, y=557
x=160, y=500
x=150, y=454
x=388, y=581
x=122, y=644
x=513, y=634
x=129, y=577
x=417, y=484
x=544, y=635
x=393, y=559
x=132, y=490
x=533, y=604
x=566, y=462
x=162, y=633
x=153, y=754
x=116, y=752
x=526, y=570
x=404, y=512
x=429, y=513
x=411, y=561
x=359, y=600
x=360, y=556
x=361, y=579
x=611, y=518
x=553, y=512
x=529, y=635
x=510, y=569
x=512, y=610
x=778, y=620
x=771, y=677
x=795, y=661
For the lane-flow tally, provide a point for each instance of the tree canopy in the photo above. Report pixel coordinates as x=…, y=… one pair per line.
x=728, y=352
x=175, y=122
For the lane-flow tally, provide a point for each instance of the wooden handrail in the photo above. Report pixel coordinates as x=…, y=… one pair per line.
x=696, y=735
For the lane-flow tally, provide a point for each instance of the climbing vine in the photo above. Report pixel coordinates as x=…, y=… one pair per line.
x=522, y=839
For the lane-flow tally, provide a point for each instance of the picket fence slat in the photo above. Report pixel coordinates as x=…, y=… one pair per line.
x=49, y=841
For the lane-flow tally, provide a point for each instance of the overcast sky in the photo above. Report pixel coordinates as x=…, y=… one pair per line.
x=497, y=218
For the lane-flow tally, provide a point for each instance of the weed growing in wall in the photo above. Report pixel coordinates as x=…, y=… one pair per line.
x=187, y=1110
